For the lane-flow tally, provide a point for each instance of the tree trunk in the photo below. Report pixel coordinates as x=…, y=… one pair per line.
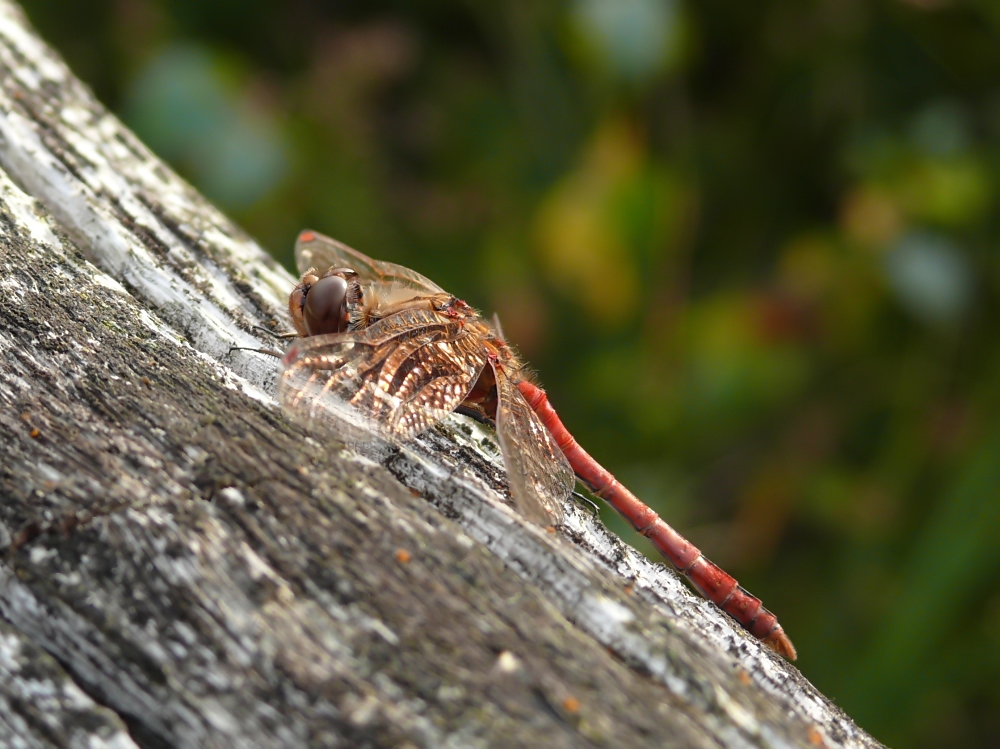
x=186, y=567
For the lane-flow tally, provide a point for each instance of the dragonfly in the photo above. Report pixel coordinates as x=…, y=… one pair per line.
x=382, y=349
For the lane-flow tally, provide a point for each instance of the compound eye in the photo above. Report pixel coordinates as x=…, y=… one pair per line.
x=325, y=309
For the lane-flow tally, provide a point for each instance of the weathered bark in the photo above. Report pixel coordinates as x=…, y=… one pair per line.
x=186, y=567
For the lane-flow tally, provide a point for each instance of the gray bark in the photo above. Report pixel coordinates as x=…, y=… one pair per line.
x=186, y=567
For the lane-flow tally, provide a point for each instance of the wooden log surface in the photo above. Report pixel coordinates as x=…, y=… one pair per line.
x=185, y=566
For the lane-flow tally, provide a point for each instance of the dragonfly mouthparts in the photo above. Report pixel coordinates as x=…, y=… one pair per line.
x=290, y=356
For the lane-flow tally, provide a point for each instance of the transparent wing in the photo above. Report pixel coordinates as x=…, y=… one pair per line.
x=313, y=250
x=396, y=378
x=540, y=476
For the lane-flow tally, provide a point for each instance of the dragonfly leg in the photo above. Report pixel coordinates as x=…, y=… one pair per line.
x=587, y=500
x=278, y=336
x=477, y=414
x=268, y=351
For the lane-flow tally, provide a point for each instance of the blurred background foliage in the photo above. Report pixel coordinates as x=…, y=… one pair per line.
x=751, y=247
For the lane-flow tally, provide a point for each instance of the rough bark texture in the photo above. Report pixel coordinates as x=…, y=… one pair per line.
x=186, y=567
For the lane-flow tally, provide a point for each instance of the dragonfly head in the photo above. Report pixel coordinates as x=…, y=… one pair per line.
x=323, y=304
